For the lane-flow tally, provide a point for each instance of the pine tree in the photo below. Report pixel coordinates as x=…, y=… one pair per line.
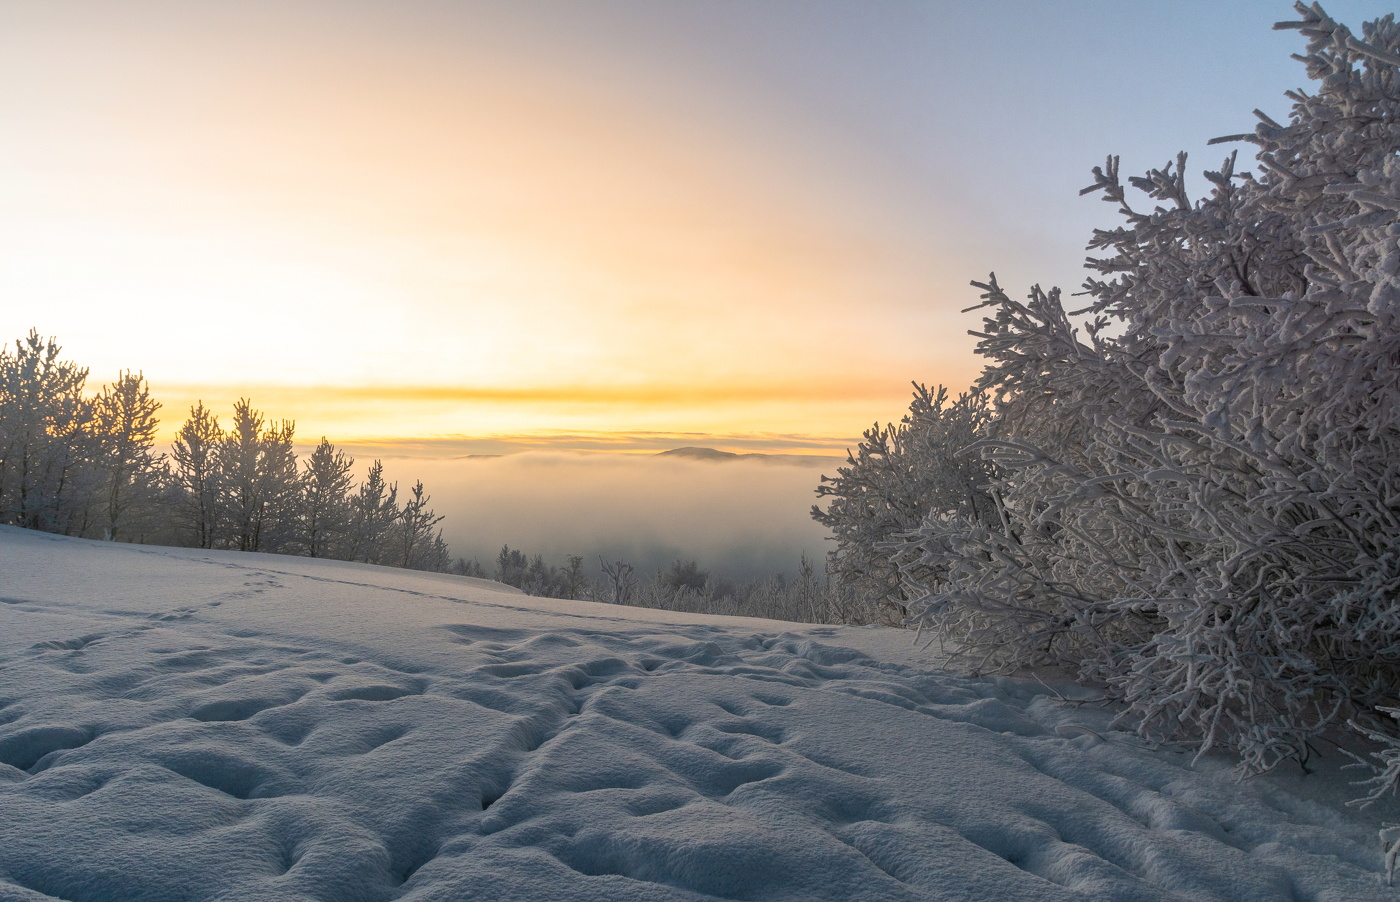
x=463, y=567
x=124, y=417
x=573, y=581
x=374, y=508
x=46, y=438
x=512, y=567
x=415, y=524
x=436, y=556
x=326, y=510
x=259, y=480
x=85, y=466
x=197, y=473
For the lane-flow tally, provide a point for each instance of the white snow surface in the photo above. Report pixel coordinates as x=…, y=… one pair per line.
x=179, y=724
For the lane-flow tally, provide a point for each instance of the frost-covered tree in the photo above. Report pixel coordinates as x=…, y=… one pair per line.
x=85, y=466
x=685, y=575
x=572, y=580
x=890, y=484
x=435, y=556
x=512, y=567
x=1198, y=499
x=539, y=577
x=373, y=510
x=416, y=523
x=532, y=574
x=808, y=594
x=463, y=567
x=195, y=452
x=621, y=582
x=803, y=598
x=124, y=423
x=46, y=437
x=326, y=510
x=258, y=475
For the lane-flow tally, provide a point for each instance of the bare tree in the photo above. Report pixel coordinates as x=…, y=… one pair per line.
x=621, y=581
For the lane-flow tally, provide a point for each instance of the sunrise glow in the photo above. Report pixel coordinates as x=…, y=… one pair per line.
x=482, y=225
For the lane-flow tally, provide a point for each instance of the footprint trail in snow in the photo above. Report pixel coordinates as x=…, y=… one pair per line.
x=179, y=724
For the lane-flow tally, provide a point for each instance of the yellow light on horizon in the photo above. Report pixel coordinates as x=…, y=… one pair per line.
x=451, y=242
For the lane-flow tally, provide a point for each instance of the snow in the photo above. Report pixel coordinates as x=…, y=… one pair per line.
x=179, y=724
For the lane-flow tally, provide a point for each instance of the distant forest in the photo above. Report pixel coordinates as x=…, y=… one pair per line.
x=85, y=464
x=811, y=596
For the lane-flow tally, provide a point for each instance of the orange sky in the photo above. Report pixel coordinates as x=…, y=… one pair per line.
x=483, y=224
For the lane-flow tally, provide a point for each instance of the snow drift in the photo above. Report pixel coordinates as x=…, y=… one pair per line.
x=178, y=724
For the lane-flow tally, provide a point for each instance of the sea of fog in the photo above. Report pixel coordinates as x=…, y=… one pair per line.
x=741, y=518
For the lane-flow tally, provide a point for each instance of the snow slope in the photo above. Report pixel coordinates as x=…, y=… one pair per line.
x=179, y=724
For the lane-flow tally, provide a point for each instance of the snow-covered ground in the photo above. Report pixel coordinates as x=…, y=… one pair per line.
x=179, y=724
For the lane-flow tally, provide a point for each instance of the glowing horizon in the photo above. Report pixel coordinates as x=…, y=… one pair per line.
x=772, y=418
x=440, y=222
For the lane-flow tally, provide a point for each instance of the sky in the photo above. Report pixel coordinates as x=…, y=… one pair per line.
x=459, y=227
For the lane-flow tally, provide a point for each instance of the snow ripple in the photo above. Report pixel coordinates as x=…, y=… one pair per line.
x=226, y=755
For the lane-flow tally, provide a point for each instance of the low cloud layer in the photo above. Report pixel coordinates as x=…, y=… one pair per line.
x=741, y=519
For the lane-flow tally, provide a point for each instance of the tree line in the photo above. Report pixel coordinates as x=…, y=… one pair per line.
x=85, y=465
x=809, y=596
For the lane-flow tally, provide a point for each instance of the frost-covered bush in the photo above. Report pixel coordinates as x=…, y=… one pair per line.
x=895, y=477
x=1198, y=499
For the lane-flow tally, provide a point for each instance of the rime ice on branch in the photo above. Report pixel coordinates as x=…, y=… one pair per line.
x=1197, y=496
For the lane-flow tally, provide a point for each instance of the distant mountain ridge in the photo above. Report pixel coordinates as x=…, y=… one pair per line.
x=716, y=456
x=706, y=454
